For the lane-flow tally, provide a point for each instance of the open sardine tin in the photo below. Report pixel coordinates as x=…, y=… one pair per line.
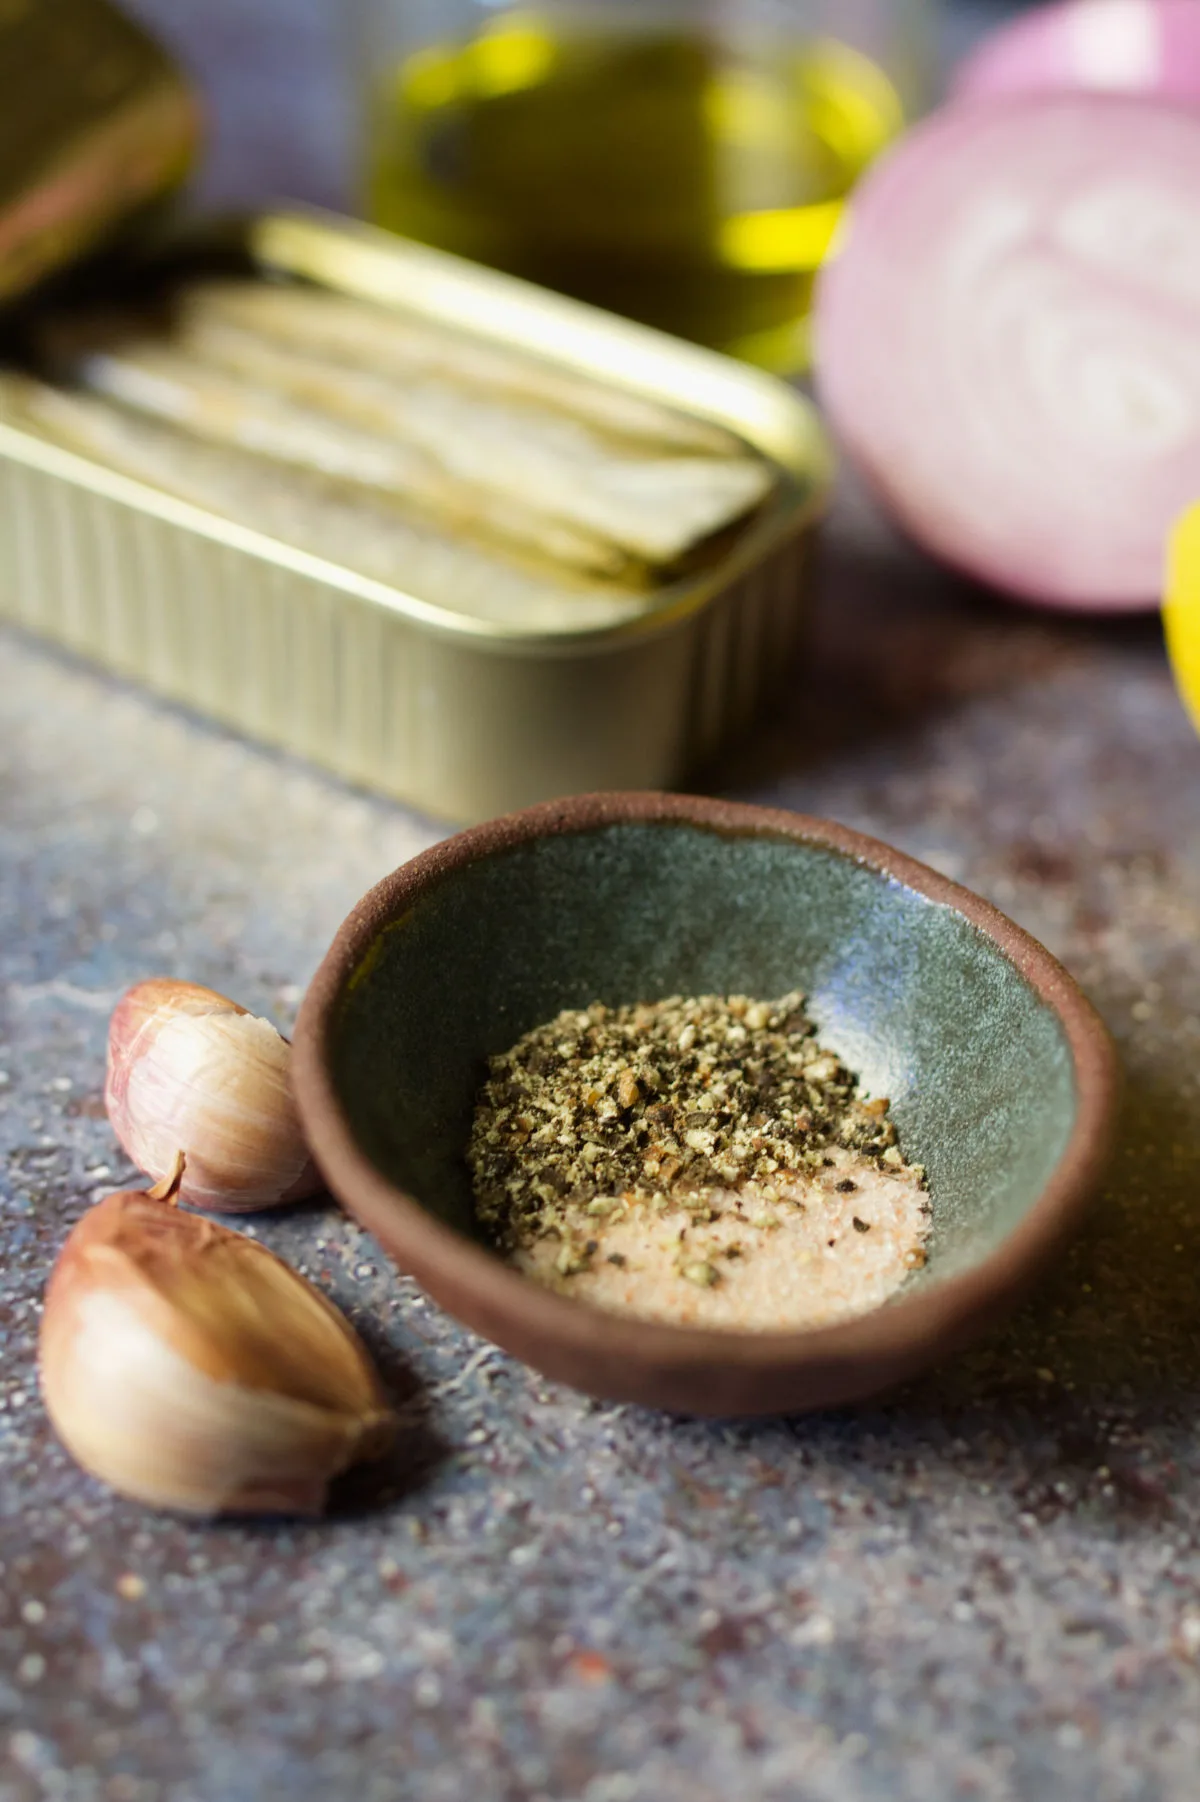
x=465, y=713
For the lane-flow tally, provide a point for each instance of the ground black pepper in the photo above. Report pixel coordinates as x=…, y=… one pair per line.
x=664, y=1105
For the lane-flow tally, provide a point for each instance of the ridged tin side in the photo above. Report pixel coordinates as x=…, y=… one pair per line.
x=275, y=645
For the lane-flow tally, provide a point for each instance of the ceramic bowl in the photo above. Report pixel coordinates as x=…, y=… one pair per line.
x=1002, y=1077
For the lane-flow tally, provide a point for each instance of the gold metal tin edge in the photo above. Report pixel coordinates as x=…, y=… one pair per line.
x=361, y=259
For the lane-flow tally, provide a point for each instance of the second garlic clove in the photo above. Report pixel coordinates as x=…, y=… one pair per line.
x=189, y=1368
x=190, y=1071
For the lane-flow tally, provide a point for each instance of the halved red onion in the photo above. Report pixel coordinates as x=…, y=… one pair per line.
x=1008, y=341
x=1113, y=46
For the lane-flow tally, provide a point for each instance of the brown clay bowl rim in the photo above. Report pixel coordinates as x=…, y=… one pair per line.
x=517, y=1314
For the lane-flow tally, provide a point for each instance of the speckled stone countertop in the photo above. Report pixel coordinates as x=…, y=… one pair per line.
x=986, y=1587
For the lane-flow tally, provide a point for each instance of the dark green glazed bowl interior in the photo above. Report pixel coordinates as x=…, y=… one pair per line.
x=922, y=1003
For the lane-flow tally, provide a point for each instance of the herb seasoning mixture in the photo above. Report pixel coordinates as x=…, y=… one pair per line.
x=702, y=1160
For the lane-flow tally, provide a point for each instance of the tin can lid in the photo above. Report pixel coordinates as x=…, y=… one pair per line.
x=1181, y=611
x=96, y=120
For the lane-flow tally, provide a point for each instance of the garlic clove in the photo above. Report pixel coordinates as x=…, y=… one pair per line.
x=188, y=1367
x=190, y=1071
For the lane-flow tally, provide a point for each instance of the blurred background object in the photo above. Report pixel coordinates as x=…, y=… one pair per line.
x=276, y=79
x=1149, y=47
x=963, y=23
x=680, y=161
x=97, y=125
x=1181, y=611
x=1007, y=342
x=246, y=56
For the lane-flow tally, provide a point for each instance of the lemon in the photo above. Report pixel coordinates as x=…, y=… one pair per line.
x=1181, y=610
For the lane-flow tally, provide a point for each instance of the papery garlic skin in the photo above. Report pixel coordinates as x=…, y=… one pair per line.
x=188, y=1367
x=190, y=1071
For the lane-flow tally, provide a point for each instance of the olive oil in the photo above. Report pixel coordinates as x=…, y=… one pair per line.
x=684, y=182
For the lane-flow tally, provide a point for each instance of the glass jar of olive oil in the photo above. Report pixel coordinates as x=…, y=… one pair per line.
x=681, y=161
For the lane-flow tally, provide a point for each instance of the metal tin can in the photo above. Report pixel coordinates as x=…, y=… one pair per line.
x=461, y=716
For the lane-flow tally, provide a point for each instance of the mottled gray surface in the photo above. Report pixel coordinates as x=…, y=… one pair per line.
x=988, y=1587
